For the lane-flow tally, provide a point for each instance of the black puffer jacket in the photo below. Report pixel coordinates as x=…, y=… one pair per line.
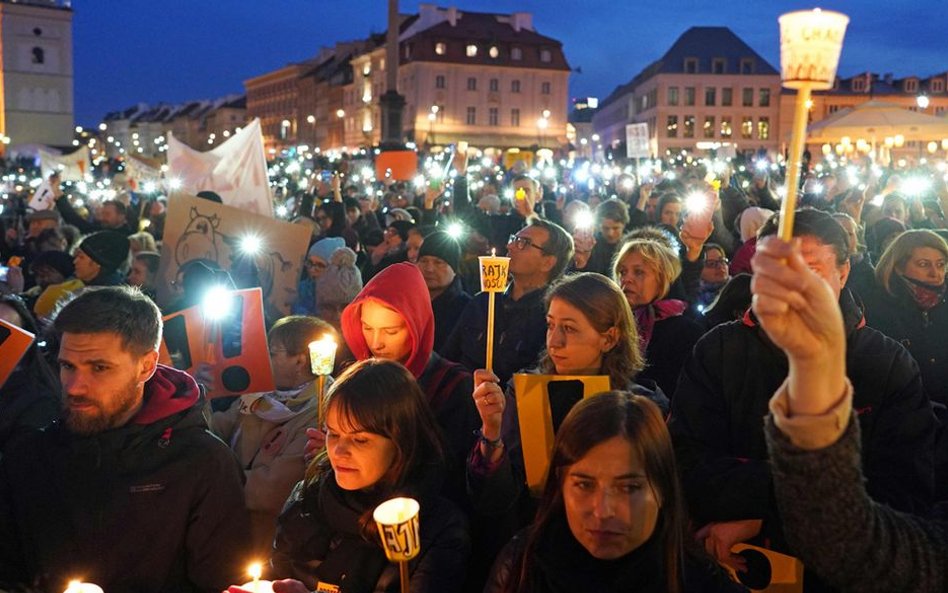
x=322, y=536
x=154, y=506
x=722, y=396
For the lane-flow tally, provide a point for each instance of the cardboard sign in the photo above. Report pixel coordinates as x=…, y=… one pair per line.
x=201, y=229
x=494, y=273
x=636, y=141
x=14, y=342
x=235, y=346
x=542, y=403
x=400, y=165
x=768, y=571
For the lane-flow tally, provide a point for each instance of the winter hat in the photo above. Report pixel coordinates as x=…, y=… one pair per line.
x=397, y=214
x=441, y=245
x=43, y=215
x=341, y=282
x=106, y=248
x=57, y=260
x=401, y=227
x=751, y=220
x=324, y=248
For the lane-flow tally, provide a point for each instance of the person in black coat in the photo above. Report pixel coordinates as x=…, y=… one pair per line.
x=612, y=517
x=438, y=259
x=723, y=392
x=382, y=442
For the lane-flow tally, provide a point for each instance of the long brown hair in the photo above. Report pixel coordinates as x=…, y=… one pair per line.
x=899, y=252
x=604, y=306
x=590, y=423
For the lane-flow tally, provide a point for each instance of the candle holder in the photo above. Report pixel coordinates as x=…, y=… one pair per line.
x=494, y=271
x=322, y=358
x=397, y=521
x=810, y=44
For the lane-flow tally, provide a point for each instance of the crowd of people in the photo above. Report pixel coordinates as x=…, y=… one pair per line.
x=790, y=396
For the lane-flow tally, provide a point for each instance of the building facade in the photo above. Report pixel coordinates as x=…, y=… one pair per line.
x=709, y=90
x=36, y=73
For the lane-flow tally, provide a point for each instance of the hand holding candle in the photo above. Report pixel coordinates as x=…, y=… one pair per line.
x=255, y=571
x=79, y=587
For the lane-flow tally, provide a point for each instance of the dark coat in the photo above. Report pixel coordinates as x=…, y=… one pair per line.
x=153, y=506
x=26, y=404
x=923, y=333
x=448, y=307
x=722, y=396
x=670, y=346
x=856, y=544
x=519, y=333
x=320, y=538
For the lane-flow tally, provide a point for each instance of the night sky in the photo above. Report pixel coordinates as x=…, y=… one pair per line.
x=177, y=50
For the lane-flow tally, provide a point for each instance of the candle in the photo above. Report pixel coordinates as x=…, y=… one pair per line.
x=322, y=355
x=397, y=520
x=80, y=587
x=493, y=280
x=255, y=570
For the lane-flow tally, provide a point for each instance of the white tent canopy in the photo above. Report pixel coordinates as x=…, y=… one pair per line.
x=874, y=121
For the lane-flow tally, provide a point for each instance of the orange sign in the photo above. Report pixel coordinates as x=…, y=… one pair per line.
x=14, y=342
x=400, y=165
x=232, y=347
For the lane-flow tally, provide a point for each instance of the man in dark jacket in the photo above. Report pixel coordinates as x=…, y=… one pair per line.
x=102, y=259
x=538, y=255
x=438, y=260
x=723, y=393
x=128, y=489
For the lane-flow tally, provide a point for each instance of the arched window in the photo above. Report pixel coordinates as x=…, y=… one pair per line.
x=39, y=55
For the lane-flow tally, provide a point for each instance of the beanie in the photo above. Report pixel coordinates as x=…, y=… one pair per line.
x=324, y=248
x=109, y=249
x=751, y=220
x=341, y=282
x=57, y=260
x=443, y=246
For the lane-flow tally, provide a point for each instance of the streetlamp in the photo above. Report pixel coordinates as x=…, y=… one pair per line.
x=432, y=116
x=542, y=124
x=922, y=101
x=284, y=129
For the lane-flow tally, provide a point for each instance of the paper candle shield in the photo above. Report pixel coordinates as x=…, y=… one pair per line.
x=494, y=273
x=14, y=342
x=397, y=520
x=768, y=571
x=542, y=402
x=810, y=44
x=235, y=347
x=322, y=355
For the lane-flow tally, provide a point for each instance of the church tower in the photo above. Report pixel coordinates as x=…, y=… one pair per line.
x=36, y=79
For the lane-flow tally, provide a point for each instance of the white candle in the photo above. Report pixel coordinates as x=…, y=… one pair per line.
x=79, y=587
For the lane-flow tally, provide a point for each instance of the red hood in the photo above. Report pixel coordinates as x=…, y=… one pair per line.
x=402, y=288
x=168, y=392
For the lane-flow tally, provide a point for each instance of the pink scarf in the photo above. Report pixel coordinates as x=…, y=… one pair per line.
x=926, y=295
x=645, y=317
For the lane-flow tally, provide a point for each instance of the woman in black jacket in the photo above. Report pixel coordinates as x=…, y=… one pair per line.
x=612, y=515
x=382, y=442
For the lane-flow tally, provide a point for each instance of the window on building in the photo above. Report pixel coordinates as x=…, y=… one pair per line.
x=763, y=128
x=727, y=97
x=471, y=83
x=691, y=65
x=689, y=96
x=673, y=95
x=747, y=65
x=39, y=56
x=546, y=56
x=939, y=110
x=492, y=116
x=747, y=128
x=718, y=66
x=471, y=116
x=441, y=48
x=516, y=53
x=439, y=81
x=408, y=47
x=545, y=88
x=671, y=128
x=709, y=126
x=763, y=98
x=493, y=52
x=689, y=127
x=859, y=84
x=911, y=85
x=471, y=50
x=747, y=98
x=514, y=86
x=938, y=85
x=710, y=96
x=494, y=85
x=832, y=109
x=515, y=117
x=726, y=126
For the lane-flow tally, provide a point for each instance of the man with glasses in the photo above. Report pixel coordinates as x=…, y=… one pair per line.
x=539, y=253
x=714, y=275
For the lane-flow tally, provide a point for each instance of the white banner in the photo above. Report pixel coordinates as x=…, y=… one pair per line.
x=71, y=167
x=236, y=170
x=636, y=141
x=139, y=171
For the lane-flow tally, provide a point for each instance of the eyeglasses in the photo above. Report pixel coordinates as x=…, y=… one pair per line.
x=524, y=242
x=316, y=265
x=716, y=263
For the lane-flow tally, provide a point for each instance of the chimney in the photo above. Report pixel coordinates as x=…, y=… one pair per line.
x=522, y=20
x=453, y=16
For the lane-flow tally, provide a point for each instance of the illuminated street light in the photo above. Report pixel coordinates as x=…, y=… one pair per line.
x=922, y=101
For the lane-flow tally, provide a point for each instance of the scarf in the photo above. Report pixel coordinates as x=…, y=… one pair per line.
x=277, y=406
x=926, y=296
x=645, y=317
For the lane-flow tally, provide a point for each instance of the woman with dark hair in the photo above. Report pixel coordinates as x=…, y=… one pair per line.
x=382, y=442
x=332, y=221
x=30, y=398
x=646, y=270
x=612, y=516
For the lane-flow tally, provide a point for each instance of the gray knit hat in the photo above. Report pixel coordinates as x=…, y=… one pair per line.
x=341, y=282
